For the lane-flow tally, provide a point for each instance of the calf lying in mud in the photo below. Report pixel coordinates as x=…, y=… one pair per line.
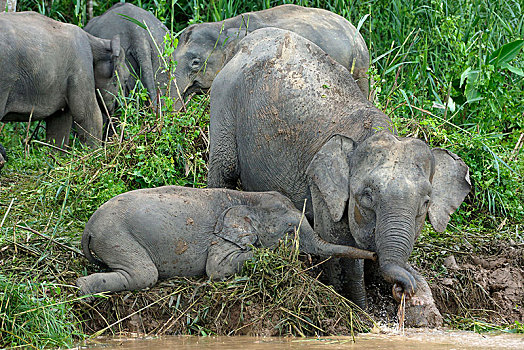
x=150, y=234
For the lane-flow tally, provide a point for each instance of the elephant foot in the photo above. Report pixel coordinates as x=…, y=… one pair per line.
x=421, y=310
x=422, y=313
x=84, y=289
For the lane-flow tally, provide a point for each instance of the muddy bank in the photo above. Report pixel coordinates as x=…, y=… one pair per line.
x=487, y=288
x=490, y=287
x=276, y=295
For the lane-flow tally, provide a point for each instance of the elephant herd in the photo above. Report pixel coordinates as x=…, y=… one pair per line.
x=289, y=121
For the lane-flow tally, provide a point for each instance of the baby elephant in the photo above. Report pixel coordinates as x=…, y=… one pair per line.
x=152, y=234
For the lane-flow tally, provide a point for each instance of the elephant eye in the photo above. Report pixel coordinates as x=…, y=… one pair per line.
x=366, y=199
x=195, y=63
x=424, y=207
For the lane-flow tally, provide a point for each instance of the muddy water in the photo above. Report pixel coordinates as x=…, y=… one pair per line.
x=411, y=339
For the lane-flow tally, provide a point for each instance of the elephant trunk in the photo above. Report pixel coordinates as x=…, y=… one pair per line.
x=394, y=236
x=177, y=92
x=311, y=243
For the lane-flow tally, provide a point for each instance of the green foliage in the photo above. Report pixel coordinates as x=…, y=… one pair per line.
x=35, y=315
x=450, y=73
x=479, y=326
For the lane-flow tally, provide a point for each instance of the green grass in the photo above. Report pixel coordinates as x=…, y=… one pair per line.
x=448, y=72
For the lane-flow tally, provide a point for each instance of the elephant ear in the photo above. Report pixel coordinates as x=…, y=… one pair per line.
x=329, y=171
x=231, y=42
x=451, y=184
x=238, y=225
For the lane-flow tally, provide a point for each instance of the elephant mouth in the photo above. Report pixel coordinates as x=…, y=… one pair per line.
x=196, y=87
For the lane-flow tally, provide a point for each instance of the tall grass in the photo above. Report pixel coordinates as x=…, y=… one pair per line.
x=34, y=315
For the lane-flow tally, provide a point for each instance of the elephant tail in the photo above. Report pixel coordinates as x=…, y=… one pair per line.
x=86, y=239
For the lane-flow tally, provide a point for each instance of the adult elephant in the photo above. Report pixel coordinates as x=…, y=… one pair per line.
x=50, y=71
x=286, y=117
x=143, y=47
x=203, y=47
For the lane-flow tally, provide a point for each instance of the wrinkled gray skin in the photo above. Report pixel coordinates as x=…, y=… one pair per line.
x=203, y=47
x=50, y=70
x=3, y=156
x=142, y=47
x=152, y=234
x=286, y=117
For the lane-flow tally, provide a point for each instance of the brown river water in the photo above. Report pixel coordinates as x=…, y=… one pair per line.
x=411, y=339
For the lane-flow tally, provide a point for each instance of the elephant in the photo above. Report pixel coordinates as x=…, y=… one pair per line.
x=3, y=156
x=142, y=46
x=50, y=71
x=286, y=117
x=202, y=48
x=158, y=233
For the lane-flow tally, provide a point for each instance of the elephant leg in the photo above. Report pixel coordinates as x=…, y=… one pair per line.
x=421, y=310
x=131, y=269
x=223, y=158
x=85, y=110
x=225, y=259
x=347, y=277
x=58, y=127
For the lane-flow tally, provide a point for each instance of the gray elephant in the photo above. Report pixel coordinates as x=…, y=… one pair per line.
x=150, y=234
x=203, y=47
x=142, y=46
x=284, y=116
x=49, y=71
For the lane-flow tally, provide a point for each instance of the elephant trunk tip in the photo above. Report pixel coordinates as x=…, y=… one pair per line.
x=357, y=253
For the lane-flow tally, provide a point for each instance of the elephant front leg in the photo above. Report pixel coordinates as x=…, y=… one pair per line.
x=85, y=110
x=58, y=127
x=421, y=310
x=223, y=158
x=347, y=277
x=225, y=259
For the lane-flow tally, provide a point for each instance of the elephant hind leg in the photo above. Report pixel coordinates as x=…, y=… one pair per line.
x=58, y=127
x=131, y=269
x=118, y=280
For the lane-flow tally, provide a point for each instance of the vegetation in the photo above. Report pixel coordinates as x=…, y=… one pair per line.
x=448, y=72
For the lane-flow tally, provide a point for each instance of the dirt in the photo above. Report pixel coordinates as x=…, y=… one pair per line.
x=490, y=287
x=487, y=287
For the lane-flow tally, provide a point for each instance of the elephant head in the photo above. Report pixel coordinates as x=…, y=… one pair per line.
x=201, y=53
x=265, y=224
x=388, y=185
x=109, y=69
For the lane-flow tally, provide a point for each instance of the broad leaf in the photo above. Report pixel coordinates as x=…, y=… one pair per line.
x=512, y=69
x=505, y=53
